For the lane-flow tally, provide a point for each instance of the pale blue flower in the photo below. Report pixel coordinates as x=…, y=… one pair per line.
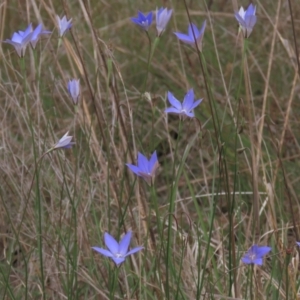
x=143, y=21
x=145, y=168
x=194, y=35
x=246, y=19
x=63, y=24
x=117, y=251
x=20, y=40
x=37, y=32
x=255, y=255
x=186, y=107
x=163, y=16
x=64, y=142
x=74, y=90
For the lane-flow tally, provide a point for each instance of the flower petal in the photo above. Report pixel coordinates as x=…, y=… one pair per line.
x=103, y=251
x=133, y=168
x=201, y=32
x=185, y=38
x=174, y=102
x=111, y=243
x=258, y=261
x=193, y=32
x=188, y=100
x=262, y=251
x=118, y=260
x=195, y=104
x=142, y=163
x=250, y=10
x=124, y=243
x=153, y=161
x=134, y=250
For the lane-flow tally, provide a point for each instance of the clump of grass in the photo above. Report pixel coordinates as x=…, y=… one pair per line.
x=227, y=180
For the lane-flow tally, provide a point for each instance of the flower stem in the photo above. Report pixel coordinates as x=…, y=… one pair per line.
x=37, y=190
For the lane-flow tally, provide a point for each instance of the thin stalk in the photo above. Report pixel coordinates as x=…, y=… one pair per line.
x=171, y=211
x=37, y=195
x=256, y=228
x=251, y=281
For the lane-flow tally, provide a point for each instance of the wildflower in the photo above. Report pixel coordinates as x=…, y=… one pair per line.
x=187, y=106
x=143, y=21
x=64, y=142
x=163, y=16
x=298, y=243
x=63, y=25
x=20, y=40
x=255, y=255
x=117, y=251
x=246, y=19
x=74, y=90
x=194, y=35
x=37, y=32
x=145, y=169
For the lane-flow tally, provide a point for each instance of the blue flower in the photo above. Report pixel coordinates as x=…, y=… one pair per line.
x=194, y=35
x=145, y=169
x=163, y=16
x=37, y=32
x=187, y=106
x=63, y=24
x=246, y=19
x=143, y=21
x=255, y=255
x=74, y=90
x=298, y=243
x=117, y=251
x=64, y=142
x=20, y=40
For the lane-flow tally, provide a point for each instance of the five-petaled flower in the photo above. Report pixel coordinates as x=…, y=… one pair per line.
x=194, y=36
x=20, y=40
x=163, y=16
x=64, y=142
x=186, y=107
x=37, y=32
x=255, y=255
x=143, y=21
x=145, y=169
x=63, y=24
x=246, y=19
x=74, y=90
x=117, y=251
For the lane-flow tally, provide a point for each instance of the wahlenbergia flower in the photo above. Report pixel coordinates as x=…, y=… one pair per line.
x=186, y=107
x=63, y=24
x=143, y=21
x=117, y=251
x=255, y=255
x=37, y=32
x=145, y=169
x=74, y=90
x=194, y=35
x=246, y=19
x=163, y=16
x=64, y=142
x=20, y=40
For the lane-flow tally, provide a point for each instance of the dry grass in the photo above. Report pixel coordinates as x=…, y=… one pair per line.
x=86, y=191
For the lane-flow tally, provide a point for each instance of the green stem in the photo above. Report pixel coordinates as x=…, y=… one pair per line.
x=114, y=283
x=150, y=56
x=171, y=212
x=37, y=195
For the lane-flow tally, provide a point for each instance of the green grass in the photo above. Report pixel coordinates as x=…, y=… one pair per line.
x=201, y=215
